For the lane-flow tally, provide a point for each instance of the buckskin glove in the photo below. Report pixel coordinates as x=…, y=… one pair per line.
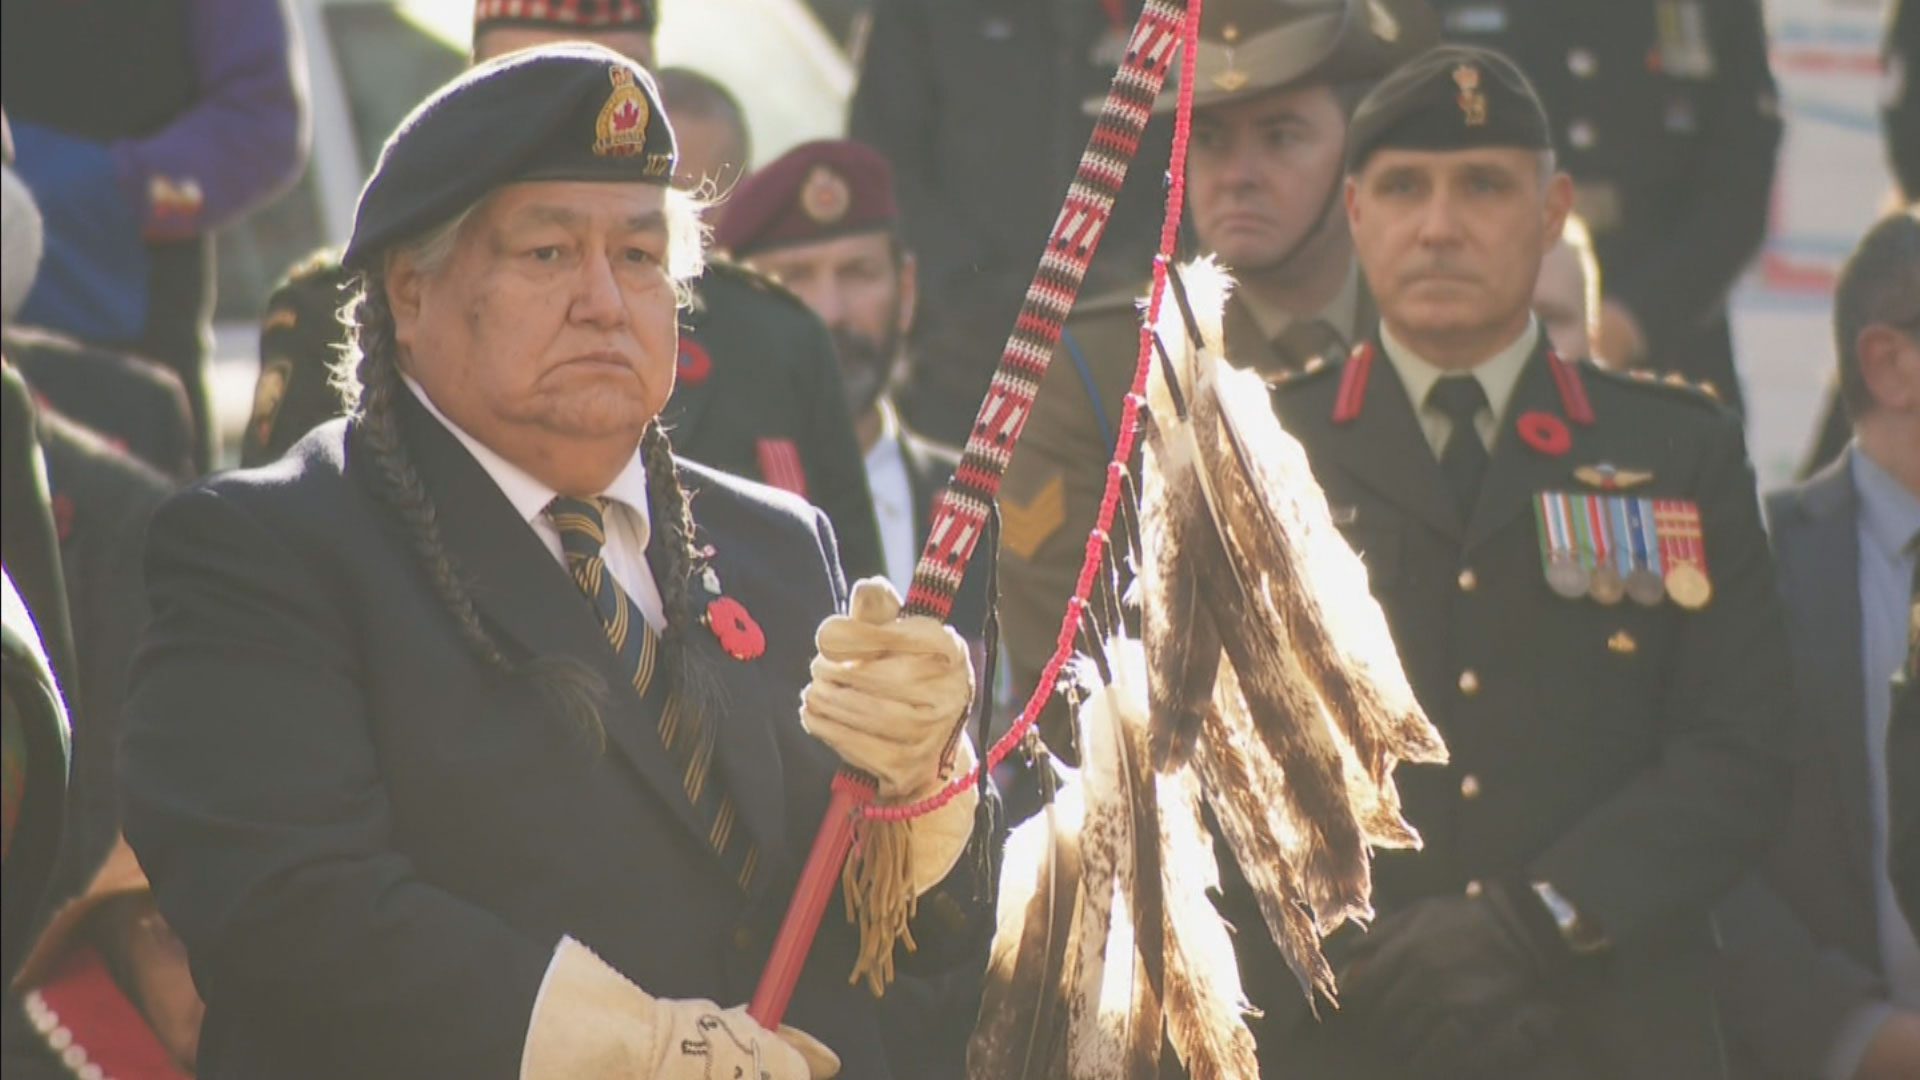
x=590, y=1023
x=1454, y=982
x=887, y=696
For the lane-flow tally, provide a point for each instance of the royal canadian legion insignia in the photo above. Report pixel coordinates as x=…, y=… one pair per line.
x=621, y=129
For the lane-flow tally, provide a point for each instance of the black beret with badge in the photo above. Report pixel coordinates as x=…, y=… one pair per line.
x=1455, y=97
x=558, y=112
x=1252, y=47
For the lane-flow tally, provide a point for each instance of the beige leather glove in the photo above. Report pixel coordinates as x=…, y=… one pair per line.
x=887, y=692
x=590, y=1023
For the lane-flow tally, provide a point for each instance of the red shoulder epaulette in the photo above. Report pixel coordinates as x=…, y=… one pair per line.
x=1353, y=384
x=1573, y=392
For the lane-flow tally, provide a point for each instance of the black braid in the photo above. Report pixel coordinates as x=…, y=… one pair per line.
x=573, y=688
x=695, y=657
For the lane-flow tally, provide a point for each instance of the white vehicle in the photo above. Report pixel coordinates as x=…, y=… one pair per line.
x=370, y=61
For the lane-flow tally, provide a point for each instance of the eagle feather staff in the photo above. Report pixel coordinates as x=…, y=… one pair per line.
x=1266, y=688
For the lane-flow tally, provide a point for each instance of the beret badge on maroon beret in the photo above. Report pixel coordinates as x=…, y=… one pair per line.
x=621, y=130
x=825, y=196
x=1473, y=104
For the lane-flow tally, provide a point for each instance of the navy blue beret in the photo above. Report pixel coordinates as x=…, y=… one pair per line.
x=559, y=112
x=1453, y=97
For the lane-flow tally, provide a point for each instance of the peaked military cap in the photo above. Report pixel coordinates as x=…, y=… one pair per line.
x=582, y=15
x=558, y=112
x=1455, y=97
x=1250, y=47
x=815, y=191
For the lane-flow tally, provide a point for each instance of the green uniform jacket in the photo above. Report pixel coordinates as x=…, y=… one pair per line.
x=758, y=392
x=1634, y=757
x=1051, y=495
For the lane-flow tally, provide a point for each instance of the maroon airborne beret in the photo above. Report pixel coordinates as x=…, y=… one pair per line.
x=815, y=191
x=641, y=15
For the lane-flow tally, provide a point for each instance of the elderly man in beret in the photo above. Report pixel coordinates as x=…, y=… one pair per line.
x=481, y=736
x=1572, y=565
x=757, y=393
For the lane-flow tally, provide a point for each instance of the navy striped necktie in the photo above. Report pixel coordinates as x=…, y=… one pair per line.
x=687, y=740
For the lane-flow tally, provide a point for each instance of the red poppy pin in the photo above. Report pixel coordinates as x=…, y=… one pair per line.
x=739, y=635
x=694, y=365
x=1546, y=433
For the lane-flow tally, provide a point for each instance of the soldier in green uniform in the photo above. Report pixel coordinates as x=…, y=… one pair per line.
x=1276, y=82
x=758, y=392
x=1665, y=113
x=1573, y=567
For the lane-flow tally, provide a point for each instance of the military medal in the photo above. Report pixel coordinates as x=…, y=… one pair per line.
x=1644, y=585
x=1607, y=585
x=1565, y=575
x=1678, y=525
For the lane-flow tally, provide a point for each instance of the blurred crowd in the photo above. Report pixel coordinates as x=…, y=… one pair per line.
x=855, y=300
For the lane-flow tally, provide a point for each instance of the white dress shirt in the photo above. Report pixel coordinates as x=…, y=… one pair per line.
x=892, y=490
x=628, y=526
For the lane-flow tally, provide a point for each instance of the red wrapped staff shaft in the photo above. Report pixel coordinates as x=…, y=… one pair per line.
x=809, y=903
x=961, y=512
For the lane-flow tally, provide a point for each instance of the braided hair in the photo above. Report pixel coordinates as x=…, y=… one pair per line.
x=373, y=390
x=693, y=656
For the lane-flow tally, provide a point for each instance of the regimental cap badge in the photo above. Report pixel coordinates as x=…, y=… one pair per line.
x=1473, y=104
x=1232, y=78
x=621, y=129
x=825, y=196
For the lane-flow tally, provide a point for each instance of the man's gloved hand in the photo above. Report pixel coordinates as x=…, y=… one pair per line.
x=887, y=693
x=1453, y=982
x=590, y=1023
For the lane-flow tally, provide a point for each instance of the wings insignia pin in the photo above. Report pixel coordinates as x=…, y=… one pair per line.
x=1608, y=477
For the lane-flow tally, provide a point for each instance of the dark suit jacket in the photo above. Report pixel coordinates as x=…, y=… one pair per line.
x=1903, y=794
x=1632, y=756
x=102, y=499
x=1801, y=952
x=371, y=844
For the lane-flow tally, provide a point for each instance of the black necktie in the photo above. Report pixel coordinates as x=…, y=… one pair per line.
x=1464, y=460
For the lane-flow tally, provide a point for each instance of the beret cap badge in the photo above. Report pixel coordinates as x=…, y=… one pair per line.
x=621, y=130
x=825, y=196
x=1473, y=104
